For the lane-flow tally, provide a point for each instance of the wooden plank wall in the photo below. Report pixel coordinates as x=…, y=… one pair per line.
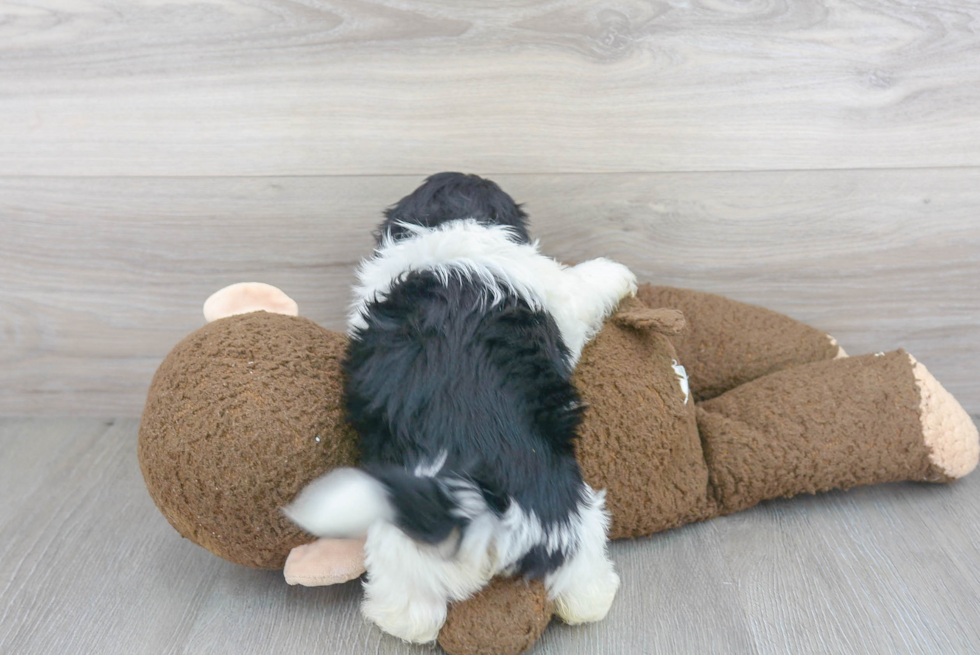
x=819, y=157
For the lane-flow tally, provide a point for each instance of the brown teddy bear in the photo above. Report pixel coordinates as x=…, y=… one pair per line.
x=684, y=423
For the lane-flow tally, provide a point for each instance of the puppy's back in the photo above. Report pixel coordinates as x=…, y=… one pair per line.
x=439, y=372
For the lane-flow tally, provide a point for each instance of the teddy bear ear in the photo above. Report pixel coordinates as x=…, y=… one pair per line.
x=246, y=297
x=634, y=314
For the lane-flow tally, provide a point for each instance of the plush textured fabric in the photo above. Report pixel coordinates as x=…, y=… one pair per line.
x=638, y=438
x=827, y=425
x=728, y=343
x=506, y=618
x=949, y=431
x=239, y=417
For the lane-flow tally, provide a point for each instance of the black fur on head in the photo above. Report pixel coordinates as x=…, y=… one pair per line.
x=450, y=196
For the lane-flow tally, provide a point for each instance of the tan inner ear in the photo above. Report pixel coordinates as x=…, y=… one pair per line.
x=325, y=562
x=246, y=297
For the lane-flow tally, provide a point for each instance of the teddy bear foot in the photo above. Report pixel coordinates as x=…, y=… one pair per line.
x=947, y=429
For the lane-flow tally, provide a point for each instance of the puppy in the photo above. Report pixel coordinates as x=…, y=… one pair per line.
x=462, y=341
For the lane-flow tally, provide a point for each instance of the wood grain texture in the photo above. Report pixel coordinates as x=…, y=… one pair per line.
x=152, y=152
x=344, y=87
x=101, y=277
x=88, y=565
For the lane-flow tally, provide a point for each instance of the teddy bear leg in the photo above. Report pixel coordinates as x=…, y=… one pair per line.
x=834, y=424
x=584, y=587
x=409, y=584
x=728, y=343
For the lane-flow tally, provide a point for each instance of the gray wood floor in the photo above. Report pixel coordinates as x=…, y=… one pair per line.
x=87, y=565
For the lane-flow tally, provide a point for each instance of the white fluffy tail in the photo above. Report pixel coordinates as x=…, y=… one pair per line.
x=342, y=504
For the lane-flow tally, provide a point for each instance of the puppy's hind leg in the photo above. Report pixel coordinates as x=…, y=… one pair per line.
x=584, y=587
x=401, y=594
x=409, y=584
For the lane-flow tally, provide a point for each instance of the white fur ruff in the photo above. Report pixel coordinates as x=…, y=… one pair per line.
x=579, y=298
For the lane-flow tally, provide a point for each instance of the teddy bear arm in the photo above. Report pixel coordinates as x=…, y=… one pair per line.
x=505, y=618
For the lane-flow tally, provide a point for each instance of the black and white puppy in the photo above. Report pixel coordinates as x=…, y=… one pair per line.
x=463, y=339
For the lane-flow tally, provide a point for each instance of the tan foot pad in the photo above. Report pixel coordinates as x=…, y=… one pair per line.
x=948, y=430
x=325, y=562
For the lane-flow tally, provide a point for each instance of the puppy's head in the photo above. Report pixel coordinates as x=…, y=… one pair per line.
x=450, y=196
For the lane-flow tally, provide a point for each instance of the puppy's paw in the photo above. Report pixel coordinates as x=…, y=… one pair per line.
x=587, y=602
x=416, y=622
x=612, y=279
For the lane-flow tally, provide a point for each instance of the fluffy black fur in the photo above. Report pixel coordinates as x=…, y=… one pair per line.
x=450, y=196
x=436, y=372
x=438, y=369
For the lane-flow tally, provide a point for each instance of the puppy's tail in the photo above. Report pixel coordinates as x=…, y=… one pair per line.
x=346, y=502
